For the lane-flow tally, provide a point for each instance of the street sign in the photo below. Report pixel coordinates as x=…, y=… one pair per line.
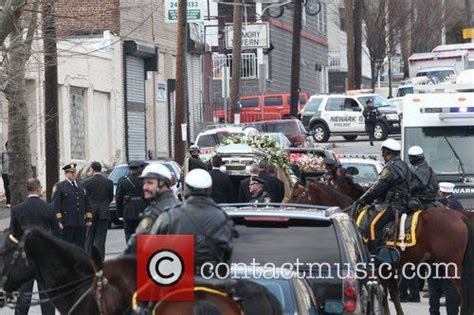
x=468, y=33
x=254, y=35
x=195, y=11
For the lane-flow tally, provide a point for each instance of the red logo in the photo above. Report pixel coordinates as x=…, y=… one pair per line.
x=165, y=267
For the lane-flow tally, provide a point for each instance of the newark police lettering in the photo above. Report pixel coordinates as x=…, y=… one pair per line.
x=342, y=119
x=465, y=190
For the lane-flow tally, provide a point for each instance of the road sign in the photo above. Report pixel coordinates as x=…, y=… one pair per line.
x=254, y=35
x=195, y=11
x=468, y=33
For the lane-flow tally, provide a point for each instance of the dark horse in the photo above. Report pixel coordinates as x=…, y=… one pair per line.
x=77, y=284
x=345, y=185
x=316, y=193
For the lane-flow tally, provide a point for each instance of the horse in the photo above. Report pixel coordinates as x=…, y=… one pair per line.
x=345, y=185
x=316, y=193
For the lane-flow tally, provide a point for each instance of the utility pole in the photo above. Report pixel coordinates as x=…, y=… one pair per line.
x=180, y=82
x=349, y=21
x=236, y=61
x=51, y=111
x=296, y=57
x=358, y=6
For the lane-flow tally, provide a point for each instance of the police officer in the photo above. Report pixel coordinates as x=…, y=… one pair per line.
x=392, y=186
x=129, y=197
x=370, y=114
x=199, y=215
x=446, y=196
x=424, y=185
x=222, y=189
x=195, y=160
x=157, y=191
x=71, y=206
x=257, y=189
x=330, y=166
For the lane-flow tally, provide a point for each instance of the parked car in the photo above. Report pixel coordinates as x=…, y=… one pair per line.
x=341, y=114
x=368, y=168
x=264, y=107
x=209, y=138
x=122, y=169
x=279, y=233
x=294, y=294
x=293, y=129
x=280, y=138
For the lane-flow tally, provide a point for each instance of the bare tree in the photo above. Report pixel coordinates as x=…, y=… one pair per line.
x=22, y=25
x=349, y=23
x=375, y=36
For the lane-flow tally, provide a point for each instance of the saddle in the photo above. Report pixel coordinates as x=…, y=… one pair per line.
x=404, y=237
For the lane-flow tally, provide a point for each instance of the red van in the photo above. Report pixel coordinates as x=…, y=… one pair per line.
x=270, y=106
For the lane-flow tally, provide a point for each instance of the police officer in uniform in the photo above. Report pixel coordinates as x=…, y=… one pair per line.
x=157, y=191
x=222, y=189
x=257, y=189
x=199, y=215
x=195, y=160
x=446, y=196
x=370, y=114
x=424, y=185
x=392, y=186
x=130, y=199
x=71, y=205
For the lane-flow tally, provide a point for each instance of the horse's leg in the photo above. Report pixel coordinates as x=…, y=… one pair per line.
x=395, y=294
x=385, y=299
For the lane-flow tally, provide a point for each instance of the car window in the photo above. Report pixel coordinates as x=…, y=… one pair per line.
x=335, y=104
x=282, y=291
x=206, y=141
x=378, y=100
x=367, y=172
x=273, y=101
x=288, y=128
x=351, y=105
x=313, y=104
x=249, y=102
x=118, y=173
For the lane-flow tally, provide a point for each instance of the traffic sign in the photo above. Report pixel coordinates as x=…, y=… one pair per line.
x=468, y=33
x=195, y=11
x=254, y=35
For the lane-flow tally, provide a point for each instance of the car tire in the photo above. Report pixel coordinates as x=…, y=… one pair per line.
x=380, y=131
x=320, y=133
x=350, y=137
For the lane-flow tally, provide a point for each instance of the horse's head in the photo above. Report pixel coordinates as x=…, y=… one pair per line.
x=14, y=267
x=297, y=194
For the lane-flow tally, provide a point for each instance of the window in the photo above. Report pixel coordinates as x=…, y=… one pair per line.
x=274, y=101
x=335, y=104
x=350, y=105
x=249, y=102
x=248, y=69
x=313, y=104
x=77, y=121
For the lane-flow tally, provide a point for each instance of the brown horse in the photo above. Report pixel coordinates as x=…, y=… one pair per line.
x=316, y=193
x=345, y=185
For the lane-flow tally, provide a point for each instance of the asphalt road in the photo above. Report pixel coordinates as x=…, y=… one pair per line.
x=116, y=240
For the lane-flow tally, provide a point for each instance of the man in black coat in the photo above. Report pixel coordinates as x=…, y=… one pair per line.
x=222, y=189
x=100, y=191
x=370, y=114
x=33, y=213
x=72, y=208
x=275, y=186
x=244, y=189
x=194, y=160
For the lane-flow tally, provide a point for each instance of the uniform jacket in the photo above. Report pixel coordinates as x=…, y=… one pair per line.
x=100, y=191
x=261, y=197
x=165, y=201
x=244, y=191
x=197, y=163
x=370, y=115
x=33, y=213
x=202, y=217
x=275, y=186
x=71, y=204
x=452, y=203
x=129, y=197
x=392, y=186
x=222, y=189
x=424, y=184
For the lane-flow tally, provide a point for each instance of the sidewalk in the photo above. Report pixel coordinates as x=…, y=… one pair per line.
x=4, y=216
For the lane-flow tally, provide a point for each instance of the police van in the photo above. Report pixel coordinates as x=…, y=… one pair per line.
x=341, y=114
x=442, y=124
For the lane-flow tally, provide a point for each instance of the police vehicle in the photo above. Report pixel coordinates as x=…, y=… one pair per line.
x=341, y=114
x=443, y=125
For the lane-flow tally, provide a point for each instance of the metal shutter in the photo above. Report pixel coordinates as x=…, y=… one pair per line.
x=136, y=127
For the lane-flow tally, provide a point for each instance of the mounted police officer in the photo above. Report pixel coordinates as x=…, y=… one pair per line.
x=199, y=215
x=392, y=186
x=130, y=199
x=194, y=160
x=447, y=198
x=71, y=206
x=424, y=185
x=156, y=188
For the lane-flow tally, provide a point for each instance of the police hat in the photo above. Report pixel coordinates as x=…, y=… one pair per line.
x=136, y=164
x=258, y=180
x=70, y=168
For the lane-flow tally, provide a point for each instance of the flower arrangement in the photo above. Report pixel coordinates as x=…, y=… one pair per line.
x=307, y=163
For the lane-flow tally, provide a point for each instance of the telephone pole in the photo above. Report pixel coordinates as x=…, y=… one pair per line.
x=51, y=111
x=180, y=82
x=236, y=61
x=358, y=6
x=296, y=57
x=349, y=21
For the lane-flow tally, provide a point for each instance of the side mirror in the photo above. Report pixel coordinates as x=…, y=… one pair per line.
x=333, y=307
x=351, y=170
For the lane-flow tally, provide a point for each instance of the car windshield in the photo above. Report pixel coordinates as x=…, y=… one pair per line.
x=274, y=242
x=118, y=172
x=378, y=100
x=437, y=151
x=404, y=91
x=438, y=75
x=367, y=172
x=211, y=140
